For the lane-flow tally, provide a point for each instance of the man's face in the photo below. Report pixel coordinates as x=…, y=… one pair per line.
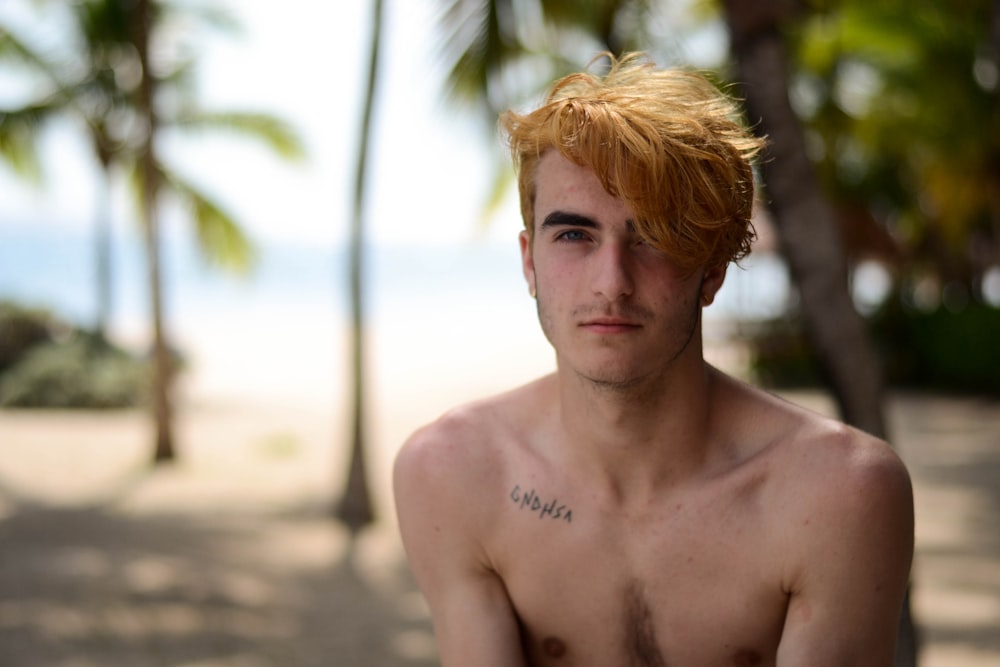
x=617, y=312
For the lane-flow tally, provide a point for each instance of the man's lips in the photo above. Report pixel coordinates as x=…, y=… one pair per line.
x=610, y=325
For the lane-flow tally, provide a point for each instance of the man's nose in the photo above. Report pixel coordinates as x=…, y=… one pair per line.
x=612, y=271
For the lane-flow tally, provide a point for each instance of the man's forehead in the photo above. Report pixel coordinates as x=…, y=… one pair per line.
x=559, y=177
x=554, y=163
x=562, y=184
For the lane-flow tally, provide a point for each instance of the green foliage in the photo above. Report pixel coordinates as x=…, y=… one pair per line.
x=221, y=242
x=269, y=131
x=17, y=145
x=954, y=351
x=941, y=350
x=94, y=76
x=23, y=328
x=499, y=54
x=47, y=363
x=901, y=103
x=81, y=372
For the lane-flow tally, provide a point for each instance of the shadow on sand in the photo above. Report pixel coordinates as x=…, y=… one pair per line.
x=152, y=571
x=99, y=585
x=952, y=447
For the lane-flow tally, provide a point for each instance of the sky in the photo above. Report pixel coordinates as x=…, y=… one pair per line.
x=304, y=62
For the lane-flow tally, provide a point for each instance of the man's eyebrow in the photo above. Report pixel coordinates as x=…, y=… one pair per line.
x=566, y=219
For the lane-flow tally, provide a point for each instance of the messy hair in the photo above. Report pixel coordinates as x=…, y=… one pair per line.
x=666, y=142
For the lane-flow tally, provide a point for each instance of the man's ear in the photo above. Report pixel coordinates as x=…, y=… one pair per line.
x=527, y=261
x=711, y=282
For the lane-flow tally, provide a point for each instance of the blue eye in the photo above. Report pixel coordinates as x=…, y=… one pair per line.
x=572, y=235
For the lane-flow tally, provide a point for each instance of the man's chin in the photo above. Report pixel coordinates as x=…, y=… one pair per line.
x=620, y=379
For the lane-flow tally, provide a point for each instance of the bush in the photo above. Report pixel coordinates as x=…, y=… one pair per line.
x=23, y=328
x=46, y=362
x=945, y=350
x=940, y=350
x=81, y=372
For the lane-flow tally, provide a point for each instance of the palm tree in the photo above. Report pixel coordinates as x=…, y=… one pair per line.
x=150, y=180
x=112, y=85
x=805, y=220
x=355, y=508
x=217, y=231
x=89, y=89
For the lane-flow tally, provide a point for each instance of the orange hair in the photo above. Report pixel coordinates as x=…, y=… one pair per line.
x=666, y=142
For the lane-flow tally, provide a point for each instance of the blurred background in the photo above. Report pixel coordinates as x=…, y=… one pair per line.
x=247, y=247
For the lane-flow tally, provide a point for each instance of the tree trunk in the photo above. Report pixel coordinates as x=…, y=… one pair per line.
x=809, y=234
x=149, y=174
x=355, y=508
x=102, y=257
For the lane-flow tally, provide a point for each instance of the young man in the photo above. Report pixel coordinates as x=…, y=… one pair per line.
x=639, y=507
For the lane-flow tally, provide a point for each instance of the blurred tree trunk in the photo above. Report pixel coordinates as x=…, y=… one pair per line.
x=103, y=255
x=104, y=150
x=355, y=508
x=149, y=175
x=993, y=54
x=809, y=232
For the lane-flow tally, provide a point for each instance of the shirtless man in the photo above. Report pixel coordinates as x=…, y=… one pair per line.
x=639, y=507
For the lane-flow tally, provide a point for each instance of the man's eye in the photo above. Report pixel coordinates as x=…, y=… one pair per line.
x=572, y=235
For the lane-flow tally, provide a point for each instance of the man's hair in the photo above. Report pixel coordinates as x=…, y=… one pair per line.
x=668, y=143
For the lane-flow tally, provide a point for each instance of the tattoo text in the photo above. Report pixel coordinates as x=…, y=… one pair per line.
x=546, y=510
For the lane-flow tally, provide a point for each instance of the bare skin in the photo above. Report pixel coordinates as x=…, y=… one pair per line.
x=639, y=507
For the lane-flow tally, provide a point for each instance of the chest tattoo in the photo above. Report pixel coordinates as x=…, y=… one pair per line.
x=544, y=507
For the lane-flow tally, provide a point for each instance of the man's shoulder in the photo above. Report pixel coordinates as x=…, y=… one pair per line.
x=469, y=444
x=839, y=489
x=816, y=464
x=843, y=500
x=807, y=447
x=822, y=459
x=455, y=446
x=448, y=475
x=831, y=456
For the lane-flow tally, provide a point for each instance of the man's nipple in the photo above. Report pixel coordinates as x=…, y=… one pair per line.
x=554, y=647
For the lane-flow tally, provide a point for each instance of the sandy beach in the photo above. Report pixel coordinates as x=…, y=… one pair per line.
x=230, y=557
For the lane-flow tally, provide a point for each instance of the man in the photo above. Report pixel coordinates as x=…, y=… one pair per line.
x=639, y=507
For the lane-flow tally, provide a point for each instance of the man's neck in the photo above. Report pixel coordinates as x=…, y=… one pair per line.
x=632, y=440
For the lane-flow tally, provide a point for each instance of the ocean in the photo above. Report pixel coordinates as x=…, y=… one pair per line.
x=281, y=328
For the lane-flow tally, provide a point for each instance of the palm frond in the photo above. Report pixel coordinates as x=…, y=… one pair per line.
x=480, y=37
x=265, y=128
x=15, y=51
x=19, y=138
x=220, y=239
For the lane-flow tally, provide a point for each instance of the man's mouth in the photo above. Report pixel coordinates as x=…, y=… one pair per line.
x=610, y=325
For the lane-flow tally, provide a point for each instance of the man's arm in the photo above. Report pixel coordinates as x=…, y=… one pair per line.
x=852, y=546
x=441, y=487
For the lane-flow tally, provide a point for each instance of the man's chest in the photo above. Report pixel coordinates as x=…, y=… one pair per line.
x=690, y=585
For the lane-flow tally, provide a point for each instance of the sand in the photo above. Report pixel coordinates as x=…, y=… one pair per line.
x=230, y=557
